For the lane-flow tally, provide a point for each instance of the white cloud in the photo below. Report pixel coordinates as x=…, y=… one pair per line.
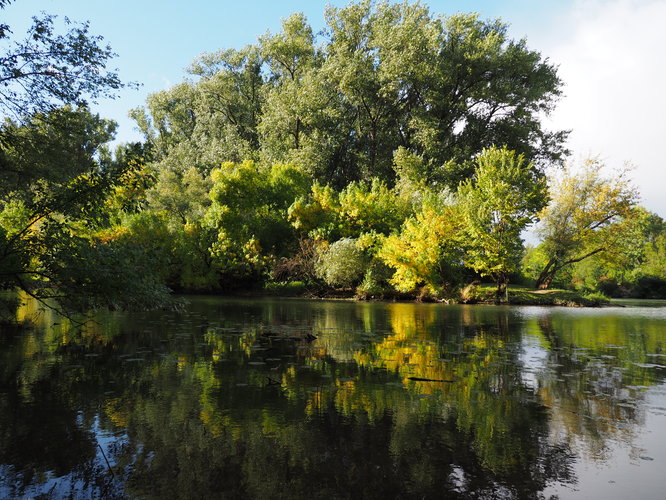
x=612, y=60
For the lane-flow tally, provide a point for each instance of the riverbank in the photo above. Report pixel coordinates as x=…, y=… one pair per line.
x=518, y=295
x=473, y=294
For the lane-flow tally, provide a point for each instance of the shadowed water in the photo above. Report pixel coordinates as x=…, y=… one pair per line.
x=268, y=398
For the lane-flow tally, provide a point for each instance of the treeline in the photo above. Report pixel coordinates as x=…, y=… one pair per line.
x=249, y=225
x=397, y=153
x=381, y=76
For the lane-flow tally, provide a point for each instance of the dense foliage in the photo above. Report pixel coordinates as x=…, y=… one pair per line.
x=398, y=153
x=381, y=77
x=54, y=178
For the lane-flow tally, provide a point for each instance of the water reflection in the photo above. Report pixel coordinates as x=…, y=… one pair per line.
x=289, y=398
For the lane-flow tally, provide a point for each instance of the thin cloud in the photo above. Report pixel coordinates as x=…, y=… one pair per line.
x=614, y=69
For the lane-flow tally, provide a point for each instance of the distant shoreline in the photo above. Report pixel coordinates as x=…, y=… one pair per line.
x=482, y=295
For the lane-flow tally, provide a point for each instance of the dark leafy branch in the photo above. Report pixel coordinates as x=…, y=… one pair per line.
x=49, y=69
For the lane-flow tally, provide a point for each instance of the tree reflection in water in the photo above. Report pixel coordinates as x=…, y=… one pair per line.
x=232, y=399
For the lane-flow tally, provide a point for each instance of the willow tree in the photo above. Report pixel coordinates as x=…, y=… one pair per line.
x=583, y=217
x=379, y=77
x=442, y=87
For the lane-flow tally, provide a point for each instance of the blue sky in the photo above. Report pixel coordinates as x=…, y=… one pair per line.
x=610, y=55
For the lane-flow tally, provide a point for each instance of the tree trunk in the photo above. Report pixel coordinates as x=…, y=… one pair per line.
x=548, y=274
x=546, y=277
x=297, y=133
x=502, y=289
x=544, y=281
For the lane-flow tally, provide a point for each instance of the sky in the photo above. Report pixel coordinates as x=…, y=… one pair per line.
x=610, y=55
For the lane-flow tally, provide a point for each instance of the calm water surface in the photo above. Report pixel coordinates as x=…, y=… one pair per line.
x=269, y=398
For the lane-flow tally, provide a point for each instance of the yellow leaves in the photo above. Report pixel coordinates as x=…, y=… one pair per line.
x=584, y=212
x=182, y=362
x=416, y=251
x=79, y=180
x=191, y=229
x=252, y=252
x=357, y=209
x=118, y=413
x=216, y=174
x=113, y=234
x=411, y=259
x=307, y=215
x=325, y=197
x=368, y=241
x=230, y=168
x=15, y=217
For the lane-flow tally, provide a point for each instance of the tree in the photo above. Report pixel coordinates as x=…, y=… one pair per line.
x=497, y=204
x=654, y=250
x=48, y=69
x=231, y=91
x=581, y=219
x=249, y=215
x=209, y=121
x=484, y=89
x=49, y=149
x=633, y=266
x=53, y=201
x=54, y=185
x=382, y=76
x=289, y=55
x=442, y=87
x=427, y=251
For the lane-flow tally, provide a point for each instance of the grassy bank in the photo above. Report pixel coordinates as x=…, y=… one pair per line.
x=473, y=294
x=521, y=295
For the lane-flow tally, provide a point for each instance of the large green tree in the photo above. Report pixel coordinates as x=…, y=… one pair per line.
x=442, y=87
x=497, y=204
x=381, y=76
x=53, y=182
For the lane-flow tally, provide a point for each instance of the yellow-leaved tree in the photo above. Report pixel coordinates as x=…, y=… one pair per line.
x=426, y=252
x=583, y=217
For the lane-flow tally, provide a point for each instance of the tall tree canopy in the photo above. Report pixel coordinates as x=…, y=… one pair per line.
x=381, y=76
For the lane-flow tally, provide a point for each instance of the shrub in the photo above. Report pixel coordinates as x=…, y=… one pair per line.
x=342, y=264
x=301, y=265
x=375, y=280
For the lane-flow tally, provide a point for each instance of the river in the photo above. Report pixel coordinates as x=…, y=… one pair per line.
x=286, y=398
